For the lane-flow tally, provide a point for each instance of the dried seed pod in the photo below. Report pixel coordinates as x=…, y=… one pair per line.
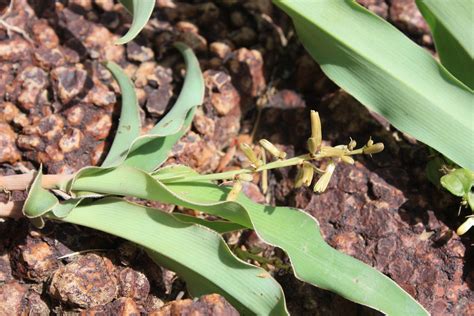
x=352, y=144
x=373, y=149
x=465, y=226
x=316, y=133
x=272, y=149
x=306, y=176
x=250, y=154
x=234, y=193
x=328, y=151
x=347, y=159
x=323, y=182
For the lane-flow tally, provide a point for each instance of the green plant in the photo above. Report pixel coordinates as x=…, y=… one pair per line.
x=193, y=247
x=396, y=78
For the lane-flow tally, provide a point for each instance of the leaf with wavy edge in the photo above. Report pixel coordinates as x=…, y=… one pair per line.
x=388, y=73
x=291, y=229
x=129, y=124
x=199, y=255
x=141, y=11
x=149, y=151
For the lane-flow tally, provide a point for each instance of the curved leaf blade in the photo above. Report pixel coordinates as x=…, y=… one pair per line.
x=313, y=260
x=141, y=11
x=199, y=255
x=391, y=75
x=451, y=24
x=129, y=124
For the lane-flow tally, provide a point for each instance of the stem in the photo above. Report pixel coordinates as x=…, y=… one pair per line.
x=23, y=181
x=230, y=175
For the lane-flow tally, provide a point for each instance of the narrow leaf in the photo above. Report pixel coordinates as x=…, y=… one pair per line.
x=313, y=260
x=451, y=24
x=129, y=123
x=197, y=254
x=388, y=73
x=141, y=11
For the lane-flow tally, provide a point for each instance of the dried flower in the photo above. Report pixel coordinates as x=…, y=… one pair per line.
x=272, y=149
x=234, y=193
x=250, y=154
x=305, y=175
x=323, y=182
x=465, y=226
x=373, y=148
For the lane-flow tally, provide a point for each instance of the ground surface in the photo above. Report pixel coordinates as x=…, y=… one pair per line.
x=58, y=107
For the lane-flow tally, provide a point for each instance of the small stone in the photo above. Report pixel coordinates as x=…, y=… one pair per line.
x=29, y=142
x=226, y=97
x=247, y=66
x=139, y=53
x=99, y=126
x=48, y=58
x=220, y=49
x=106, y=5
x=194, y=40
x=33, y=81
x=203, y=124
x=69, y=81
x=86, y=282
x=5, y=268
x=244, y=36
x=212, y=304
x=44, y=35
x=8, y=151
x=405, y=15
x=51, y=126
x=141, y=75
x=379, y=7
x=34, y=259
x=17, y=299
x=100, y=95
x=133, y=284
x=14, y=50
x=123, y=306
x=71, y=140
x=8, y=111
x=75, y=115
x=158, y=99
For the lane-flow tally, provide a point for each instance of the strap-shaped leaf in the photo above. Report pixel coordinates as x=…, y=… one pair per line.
x=312, y=259
x=451, y=23
x=149, y=151
x=129, y=124
x=141, y=11
x=199, y=255
x=388, y=73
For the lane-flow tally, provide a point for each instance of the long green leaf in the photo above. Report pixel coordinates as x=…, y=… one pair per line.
x=129, y=125
x=141, y=11
x=452, y=24
x=290, y=229
x=388, y=73
x=147, y=152
x=199, y=255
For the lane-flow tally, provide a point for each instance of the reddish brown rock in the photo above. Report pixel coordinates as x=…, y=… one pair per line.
x=5, y=268
x=212, y=304
x=247, y=67
x=44, y=35
x=17, y=299
x=34, y=259
x=133, y=284
x=68, y=81
x=8, y=151
x=50, y=127
x=99, y=125
x=220, y=91
x=71, y=140
x=14, y=50
x=405, y=15
x=87, y=282
x=33, y=81
x=48, y=58
x=124, y=306
x=139, y=53
x=379, y=7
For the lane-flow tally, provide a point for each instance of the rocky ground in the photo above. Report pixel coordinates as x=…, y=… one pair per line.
x=59, y=107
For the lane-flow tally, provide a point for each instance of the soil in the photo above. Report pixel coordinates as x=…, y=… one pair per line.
x=59, y=107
